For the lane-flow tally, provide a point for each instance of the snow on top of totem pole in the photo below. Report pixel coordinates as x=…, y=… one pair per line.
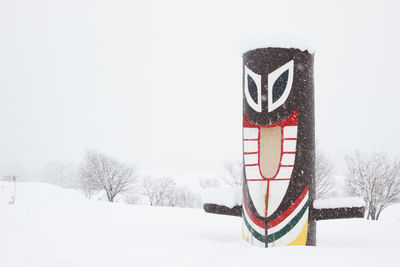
x=300, y=42
x=223, y=196
x=342, y=202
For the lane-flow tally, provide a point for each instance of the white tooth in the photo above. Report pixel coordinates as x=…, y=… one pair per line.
x=250, y=159
x=290, y=132
x=288, y=159
x=252, y=172
x=277, y=190
x=289, y=146
x=284, y=173
x=250, y=146
x=258, y=191
x=250, y=133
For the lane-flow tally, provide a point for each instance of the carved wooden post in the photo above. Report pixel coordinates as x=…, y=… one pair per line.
x=279, y=151
x=278, y=147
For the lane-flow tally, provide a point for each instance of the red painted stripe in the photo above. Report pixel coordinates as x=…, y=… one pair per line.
x=249, y=165
x=289, y=211
x=267, y=200
x=292, y=120
x=252, y=217
x=247, y=124
x=289, y=121
x=287, y=165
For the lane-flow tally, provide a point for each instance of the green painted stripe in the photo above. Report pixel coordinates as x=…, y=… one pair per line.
x=256, y=234
x=275, y=236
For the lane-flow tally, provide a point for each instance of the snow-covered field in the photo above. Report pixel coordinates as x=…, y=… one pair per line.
x=51, y=226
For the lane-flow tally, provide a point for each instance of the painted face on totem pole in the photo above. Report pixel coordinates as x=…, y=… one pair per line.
x=278, y=146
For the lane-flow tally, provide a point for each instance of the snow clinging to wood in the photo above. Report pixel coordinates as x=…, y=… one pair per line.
x=224, y=196
x=278, y=40
x=342, y=202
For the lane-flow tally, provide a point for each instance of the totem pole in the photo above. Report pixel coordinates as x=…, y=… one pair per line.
x=278, y=147
x=279, y=151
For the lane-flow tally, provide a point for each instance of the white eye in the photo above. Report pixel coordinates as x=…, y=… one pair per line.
x=252, y=88
x=279, y=85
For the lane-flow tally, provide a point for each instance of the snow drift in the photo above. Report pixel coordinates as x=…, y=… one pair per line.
x=51, y=226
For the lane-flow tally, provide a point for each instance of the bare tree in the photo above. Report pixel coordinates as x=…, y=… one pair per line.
x=88, y=183
x=209, y=182
x=132, y=199
x=99, y=171
x=376, y=178
x=324, y=182
x=183, y=197
x=157, y=190
x=61, y=174
x=234, y=171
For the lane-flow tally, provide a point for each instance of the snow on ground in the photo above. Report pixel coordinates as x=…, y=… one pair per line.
x=51, y=226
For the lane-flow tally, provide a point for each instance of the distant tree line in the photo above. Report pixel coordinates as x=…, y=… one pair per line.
x=374, y=177
x=100, y=174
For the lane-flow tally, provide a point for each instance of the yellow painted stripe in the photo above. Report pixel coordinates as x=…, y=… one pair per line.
x=301, y=239
x=243, y=235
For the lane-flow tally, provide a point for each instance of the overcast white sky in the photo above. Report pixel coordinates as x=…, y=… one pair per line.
x=159, y=82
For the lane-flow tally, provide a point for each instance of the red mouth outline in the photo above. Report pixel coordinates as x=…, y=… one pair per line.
x=291, y=120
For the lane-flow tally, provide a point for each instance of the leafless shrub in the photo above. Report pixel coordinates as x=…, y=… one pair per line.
x=157, y=190
x=61, y=174
x=183, y=197
x=324, y=182
x=234, y=173
x=88, y=184
x=132, y=199
x=164, y=192
x=376, y=178
x=99, y=171
x=208, y=183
